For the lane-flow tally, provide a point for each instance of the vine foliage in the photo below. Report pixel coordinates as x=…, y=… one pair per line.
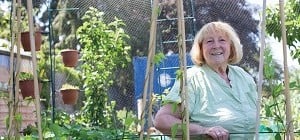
x=103, y=51
x=292, y=15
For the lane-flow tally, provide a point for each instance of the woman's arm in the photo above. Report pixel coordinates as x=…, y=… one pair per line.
x=166, y=118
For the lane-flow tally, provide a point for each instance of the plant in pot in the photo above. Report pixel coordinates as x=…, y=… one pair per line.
x=25, y=40
x=69, y=53
x=70, y=57
x=25, y=34
x=69, y=93
x=70, y=79
x=26, y=83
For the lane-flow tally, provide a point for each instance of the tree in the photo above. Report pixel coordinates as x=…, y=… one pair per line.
x=292, y=15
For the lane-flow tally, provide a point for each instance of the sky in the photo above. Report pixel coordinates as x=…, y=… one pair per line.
x=260, y=2
x=4, y=5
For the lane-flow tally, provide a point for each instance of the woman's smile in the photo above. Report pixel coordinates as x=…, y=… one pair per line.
x=216, y=49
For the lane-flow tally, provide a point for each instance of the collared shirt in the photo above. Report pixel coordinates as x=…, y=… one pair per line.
x=213, y=102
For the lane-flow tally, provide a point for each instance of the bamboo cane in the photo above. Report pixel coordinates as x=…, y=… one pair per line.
x=18, y=50
x=182, y=56
x=261, y=69
x=14, y=125
x=33, y=54
x=12, y=89
x=150, y=66
x=18, y=63
x=289, y=122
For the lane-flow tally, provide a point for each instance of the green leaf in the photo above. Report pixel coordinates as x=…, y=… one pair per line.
x=174, y=130
x=293, y=84
x=277, y=136
x=268, y=111
x=174, y=106
x=179, y=74
x=158, y=58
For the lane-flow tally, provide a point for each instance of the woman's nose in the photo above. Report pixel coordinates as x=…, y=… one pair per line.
x=216, y=44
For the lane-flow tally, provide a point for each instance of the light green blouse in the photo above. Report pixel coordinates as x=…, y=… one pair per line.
x=213, y=102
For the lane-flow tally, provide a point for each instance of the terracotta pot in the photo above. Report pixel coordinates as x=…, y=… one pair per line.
x=25, y=40
x=70, y=57
x=27, y=88
x=69, y=96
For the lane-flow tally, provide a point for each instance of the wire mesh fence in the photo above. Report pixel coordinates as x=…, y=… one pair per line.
x=62, y=18
x=136, y=16
x=242, y=15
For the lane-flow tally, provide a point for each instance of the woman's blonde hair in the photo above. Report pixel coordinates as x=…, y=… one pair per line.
x=236, y=52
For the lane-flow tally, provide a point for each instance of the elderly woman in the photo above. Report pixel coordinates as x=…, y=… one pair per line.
x=221, y=97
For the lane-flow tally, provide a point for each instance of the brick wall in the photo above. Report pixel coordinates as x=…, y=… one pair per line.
x=27, y=109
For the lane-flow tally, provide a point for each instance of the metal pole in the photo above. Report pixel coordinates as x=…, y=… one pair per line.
x=52, y=78
x=52, y=59
x=194, y=19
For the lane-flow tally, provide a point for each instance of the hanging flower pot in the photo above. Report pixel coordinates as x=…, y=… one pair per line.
x=27, y=88
x=25, y=40
x=69, y=94
x=70, y=57
x=26, y=84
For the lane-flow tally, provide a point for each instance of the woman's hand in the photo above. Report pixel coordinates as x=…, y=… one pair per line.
x=217, y=133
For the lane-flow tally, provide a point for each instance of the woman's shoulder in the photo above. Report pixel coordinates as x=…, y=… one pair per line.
x=194, y=71
x=239, y=70
x=236, y=68
x=193, y=68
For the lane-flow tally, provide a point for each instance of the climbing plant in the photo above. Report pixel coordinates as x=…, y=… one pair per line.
x=103, y=51
x=273, y=101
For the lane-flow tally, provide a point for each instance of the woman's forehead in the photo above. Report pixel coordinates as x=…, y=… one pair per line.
x=212, y=33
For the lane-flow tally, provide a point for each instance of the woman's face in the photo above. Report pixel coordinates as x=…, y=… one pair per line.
x=216, y=49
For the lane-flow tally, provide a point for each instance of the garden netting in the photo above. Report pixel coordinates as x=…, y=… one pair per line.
x=61, y=18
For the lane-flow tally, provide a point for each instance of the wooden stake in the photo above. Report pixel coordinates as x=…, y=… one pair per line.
x=33, y=54
x=261, y=69
x=13, y=90
x=148, y=84
x=182, y=57
x=289, y=121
